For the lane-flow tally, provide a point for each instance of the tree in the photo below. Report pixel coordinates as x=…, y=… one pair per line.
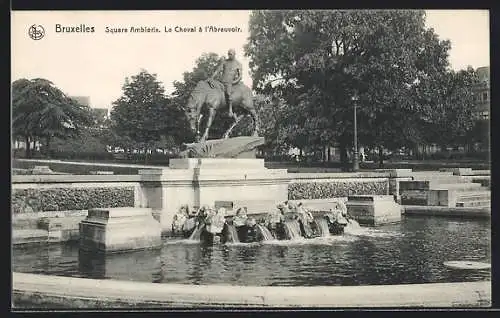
x=88, y=143
x=143, y=117
x=269, y=112
x=450, y=116
x=42, y=111
x=318, y=60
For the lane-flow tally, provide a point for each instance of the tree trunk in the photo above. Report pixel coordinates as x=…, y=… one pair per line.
x=344, y=162
x=47, y=147
x=380, y=156
x=28, y=147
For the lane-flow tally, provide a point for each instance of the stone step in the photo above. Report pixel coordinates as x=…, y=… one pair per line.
x=438, y=179
x=477, y=204
x=474, y=195
x=456, y=186
x=483, y=182
x=477, y=173
x=467, y=171
x=462, y=212
x=29, y=236
x=433, y=185
x=432, y=173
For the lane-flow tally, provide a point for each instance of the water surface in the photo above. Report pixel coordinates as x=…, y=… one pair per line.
x=410, y=252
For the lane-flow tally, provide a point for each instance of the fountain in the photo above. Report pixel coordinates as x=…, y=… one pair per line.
x=292, y=229
x=289, y=222
x=322, y=226
x=266, y=234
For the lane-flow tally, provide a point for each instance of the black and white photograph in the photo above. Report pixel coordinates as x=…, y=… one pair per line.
x=250, y=159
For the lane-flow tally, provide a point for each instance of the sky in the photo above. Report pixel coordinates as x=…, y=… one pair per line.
x=95, y=64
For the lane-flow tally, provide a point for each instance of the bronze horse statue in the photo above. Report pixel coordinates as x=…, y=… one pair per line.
x=211, y=93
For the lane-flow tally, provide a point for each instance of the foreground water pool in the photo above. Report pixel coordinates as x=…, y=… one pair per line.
x=410, y=252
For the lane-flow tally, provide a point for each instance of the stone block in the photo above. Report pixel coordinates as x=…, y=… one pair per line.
x=374, y=210
x=119, y=229
x=442, y=197
x=458, y=171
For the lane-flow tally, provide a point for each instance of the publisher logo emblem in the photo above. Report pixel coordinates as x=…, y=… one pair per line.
x=36, y=32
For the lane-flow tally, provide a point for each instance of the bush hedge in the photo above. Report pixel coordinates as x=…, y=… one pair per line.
x=450, y=155
x=326, y=190
x=63, y=199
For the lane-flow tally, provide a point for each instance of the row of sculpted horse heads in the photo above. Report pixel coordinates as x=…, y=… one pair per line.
x=289, y=221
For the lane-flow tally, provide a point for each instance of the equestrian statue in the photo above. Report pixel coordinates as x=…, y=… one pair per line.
x=229, y=93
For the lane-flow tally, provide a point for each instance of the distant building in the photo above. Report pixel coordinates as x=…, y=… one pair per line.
x=101, y=114
x=483, y=103
x=83, y=100
x=482, y=92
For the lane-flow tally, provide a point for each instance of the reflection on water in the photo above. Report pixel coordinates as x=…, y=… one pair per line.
x=410, y=252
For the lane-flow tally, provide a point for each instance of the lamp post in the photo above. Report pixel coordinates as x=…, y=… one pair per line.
x=355, y=160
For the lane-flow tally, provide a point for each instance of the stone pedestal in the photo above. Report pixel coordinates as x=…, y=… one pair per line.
x=374, y=210
x=204, y=181
x=119, y=229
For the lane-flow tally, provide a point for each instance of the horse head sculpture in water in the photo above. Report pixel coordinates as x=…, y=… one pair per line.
x=211, y=93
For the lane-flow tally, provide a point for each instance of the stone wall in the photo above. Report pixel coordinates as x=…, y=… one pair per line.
x=40, y=193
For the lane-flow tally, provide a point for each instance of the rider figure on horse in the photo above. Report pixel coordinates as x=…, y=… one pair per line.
x=231, y=75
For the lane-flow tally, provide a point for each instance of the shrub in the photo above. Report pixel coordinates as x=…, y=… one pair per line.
x=81, y=155
x=63, y=199
x=325, y=190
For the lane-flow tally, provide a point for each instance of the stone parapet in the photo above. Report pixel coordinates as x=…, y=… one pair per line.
x=68, y=292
